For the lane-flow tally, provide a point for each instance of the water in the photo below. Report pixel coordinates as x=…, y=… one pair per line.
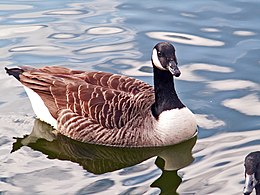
x=217, y=45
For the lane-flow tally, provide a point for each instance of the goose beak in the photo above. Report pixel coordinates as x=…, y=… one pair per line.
x=173, y=68
x=250, y=182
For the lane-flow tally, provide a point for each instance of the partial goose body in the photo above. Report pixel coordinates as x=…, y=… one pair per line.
x=111, y=109
x=252, y=173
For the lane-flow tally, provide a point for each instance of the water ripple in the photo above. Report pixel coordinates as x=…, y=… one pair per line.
x=11, y=31
x=97, y=186
x=222, y=158
x=185, y=39
x=105, y=48
x=134, y=169
x=104, y=30
x=63, y=36
x=141, y=178
x=136, y=191
x=232, y=84
x=244, y=33
x=209, y=122
x=34, y=48
x=16, y=7
x=66, y=12
x=248, y=105
x=191, y=69
x=210, y=29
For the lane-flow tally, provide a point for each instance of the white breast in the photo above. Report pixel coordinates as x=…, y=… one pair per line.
x=39, y=108
x=176, y=125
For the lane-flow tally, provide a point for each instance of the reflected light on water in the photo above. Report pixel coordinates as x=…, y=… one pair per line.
x=6, y=7
x=208, y=122
x=34, y=48
x=190, y=69
x=66, y=12
x=231, y=84
x=248, y=105
x=11, y=31
x=243, y=33
x=210, y=29
x=189, y=15
x=63, y=36
x=104, y=30
x=185, y=39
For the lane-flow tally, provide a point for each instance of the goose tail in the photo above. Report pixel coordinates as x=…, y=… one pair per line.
x=14, y=72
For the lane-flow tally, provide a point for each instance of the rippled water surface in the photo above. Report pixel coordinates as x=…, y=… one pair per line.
x=218, y=46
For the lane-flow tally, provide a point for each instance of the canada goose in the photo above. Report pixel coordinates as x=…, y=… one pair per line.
x=111, y=109
x=252, y=173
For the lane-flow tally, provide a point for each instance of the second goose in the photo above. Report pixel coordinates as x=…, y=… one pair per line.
x=111, y=109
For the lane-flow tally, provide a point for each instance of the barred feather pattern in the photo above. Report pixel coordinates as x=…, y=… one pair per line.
x=96, y=107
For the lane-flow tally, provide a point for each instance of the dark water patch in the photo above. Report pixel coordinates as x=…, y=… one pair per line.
x=221, y=164
x=3, y=179
x=97, y=186
x=134, y=191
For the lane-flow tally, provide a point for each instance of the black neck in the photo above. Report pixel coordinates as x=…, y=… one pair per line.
x=165, y=95
x=257, y=189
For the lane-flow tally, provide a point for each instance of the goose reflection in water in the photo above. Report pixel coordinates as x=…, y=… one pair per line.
x=99, y=159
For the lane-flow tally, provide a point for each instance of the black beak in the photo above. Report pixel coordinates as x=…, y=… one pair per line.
x=173, y=68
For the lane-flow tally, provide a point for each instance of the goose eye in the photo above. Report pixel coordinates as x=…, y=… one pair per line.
x=159, y=54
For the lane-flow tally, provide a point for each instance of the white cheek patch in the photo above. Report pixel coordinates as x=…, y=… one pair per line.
x=248, y=181
x=156, y=60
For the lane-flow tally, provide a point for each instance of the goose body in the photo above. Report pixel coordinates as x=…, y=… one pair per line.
x=252, y=173
x=111, y=109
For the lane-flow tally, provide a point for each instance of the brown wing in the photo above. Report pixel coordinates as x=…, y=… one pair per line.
x=103, y=98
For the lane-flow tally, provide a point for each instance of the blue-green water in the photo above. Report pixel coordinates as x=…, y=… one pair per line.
x=218, y=45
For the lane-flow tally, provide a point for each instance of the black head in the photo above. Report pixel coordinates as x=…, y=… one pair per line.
x=252, y=172
x=163, y=58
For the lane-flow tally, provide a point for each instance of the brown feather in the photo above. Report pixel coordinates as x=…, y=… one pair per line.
x=104, y=98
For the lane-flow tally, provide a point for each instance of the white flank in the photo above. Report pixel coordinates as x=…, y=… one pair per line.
x=176, y=125
x=39, y=108
x=156, y=60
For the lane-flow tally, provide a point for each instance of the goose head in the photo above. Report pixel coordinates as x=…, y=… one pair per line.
x=252, y=172
x=164, y=58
